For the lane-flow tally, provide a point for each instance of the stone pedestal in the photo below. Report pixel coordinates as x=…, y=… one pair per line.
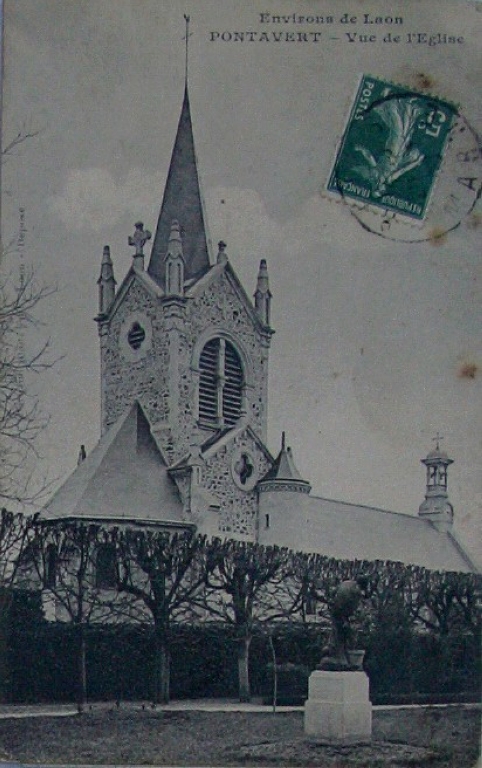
x=338, y=708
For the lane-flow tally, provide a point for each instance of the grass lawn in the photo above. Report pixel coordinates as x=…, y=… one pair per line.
x=130, y=736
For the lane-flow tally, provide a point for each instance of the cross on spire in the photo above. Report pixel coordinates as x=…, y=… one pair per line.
x=139, y=238
x=186, y=38
x=438, y=437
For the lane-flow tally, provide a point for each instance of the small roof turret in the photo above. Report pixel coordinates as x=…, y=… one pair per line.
x=106, y=283
x=436, y=506
x=284, y=472
x=175, y=240
x=437, y=454
x=262, y=295
x=221, y=257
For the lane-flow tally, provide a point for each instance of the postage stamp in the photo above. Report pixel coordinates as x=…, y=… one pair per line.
x=392, y=148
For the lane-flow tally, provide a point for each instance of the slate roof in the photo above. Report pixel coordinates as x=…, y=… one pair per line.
x=124, y=478
x=348, y=531
x=284, y=467
x=182, y=201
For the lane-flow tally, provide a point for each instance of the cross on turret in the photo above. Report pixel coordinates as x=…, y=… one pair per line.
x=138, y=240
x=438, y=437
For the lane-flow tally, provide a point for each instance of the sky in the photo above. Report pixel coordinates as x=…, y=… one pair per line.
x=378, y=343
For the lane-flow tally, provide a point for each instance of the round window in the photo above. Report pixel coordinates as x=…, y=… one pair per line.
x=135, y=336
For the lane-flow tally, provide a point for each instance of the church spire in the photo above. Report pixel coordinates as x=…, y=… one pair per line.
x=182, y=201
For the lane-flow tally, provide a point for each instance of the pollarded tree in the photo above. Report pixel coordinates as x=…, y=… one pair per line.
x=163, y=574
x=73, y=561
x=449, y=601
x=468, y=596
x=387, y=594
x=247, y=585
x=448, y=609
x=319, y=577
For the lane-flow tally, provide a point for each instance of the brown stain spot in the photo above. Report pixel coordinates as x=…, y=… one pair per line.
x=468, y=370
x=415, y=79
x=423, y=82
x=437, y=236
x=474, y=221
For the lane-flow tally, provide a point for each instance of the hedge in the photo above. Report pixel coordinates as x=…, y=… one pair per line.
x=402, y=667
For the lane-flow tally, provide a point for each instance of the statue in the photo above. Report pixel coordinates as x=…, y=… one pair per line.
x=336, y=655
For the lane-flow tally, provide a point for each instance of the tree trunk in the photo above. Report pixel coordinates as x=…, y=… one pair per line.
x=82, y=669
x=162, y=668
x=243, y=668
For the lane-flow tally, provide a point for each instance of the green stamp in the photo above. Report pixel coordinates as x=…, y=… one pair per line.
x=392, y=147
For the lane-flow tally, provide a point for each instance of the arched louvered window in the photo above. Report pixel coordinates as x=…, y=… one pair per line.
x=220, y=384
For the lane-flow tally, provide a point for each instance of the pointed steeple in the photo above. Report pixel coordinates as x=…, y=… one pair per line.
x=182, y=201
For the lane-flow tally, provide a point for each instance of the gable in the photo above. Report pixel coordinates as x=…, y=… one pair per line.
x=143, y=281
x=233, y=466
x=222, y=297
x=129, y=370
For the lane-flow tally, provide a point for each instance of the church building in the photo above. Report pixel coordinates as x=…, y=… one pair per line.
x=184, y=356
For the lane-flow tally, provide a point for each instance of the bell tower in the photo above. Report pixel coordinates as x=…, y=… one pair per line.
x=181, y=336
x=437, y=507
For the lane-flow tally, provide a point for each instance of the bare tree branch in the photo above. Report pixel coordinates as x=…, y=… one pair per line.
x=24, y=134
x=21, y=417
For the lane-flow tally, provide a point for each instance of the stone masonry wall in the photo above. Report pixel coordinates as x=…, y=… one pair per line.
x=127, y=375
x=239, y=508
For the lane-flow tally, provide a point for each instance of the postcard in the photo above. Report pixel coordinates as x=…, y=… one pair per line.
x=331, y=155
